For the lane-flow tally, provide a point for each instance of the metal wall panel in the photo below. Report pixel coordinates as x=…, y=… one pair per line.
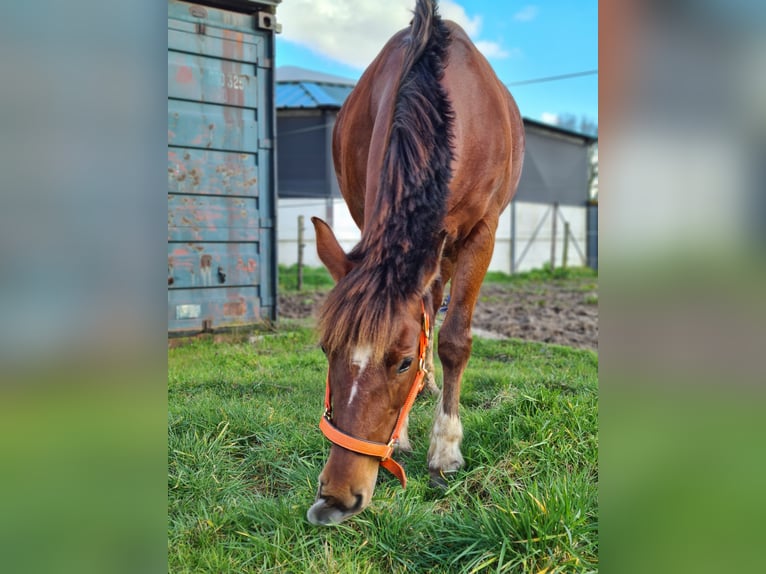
x=221, y=176
x=205, y=218
x=191, y=310
x=555, y=170
x=202, y=264
x=211, y=172
x=303, y=155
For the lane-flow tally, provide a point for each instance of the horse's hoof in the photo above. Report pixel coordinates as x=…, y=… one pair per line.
x=439, y=479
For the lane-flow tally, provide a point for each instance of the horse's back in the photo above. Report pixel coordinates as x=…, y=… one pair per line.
x=489, y=136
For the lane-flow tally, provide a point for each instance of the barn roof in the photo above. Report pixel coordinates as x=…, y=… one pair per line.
x=310, y=95
x=300, y=88
x=587, y=139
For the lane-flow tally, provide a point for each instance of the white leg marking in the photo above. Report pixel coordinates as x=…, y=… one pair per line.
x=404, y=440
x=446, y=436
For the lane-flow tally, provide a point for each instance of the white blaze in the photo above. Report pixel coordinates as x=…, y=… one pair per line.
x=360, y=357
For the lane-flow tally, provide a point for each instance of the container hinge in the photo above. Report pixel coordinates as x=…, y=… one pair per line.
x=197, y=11
x=268, y=21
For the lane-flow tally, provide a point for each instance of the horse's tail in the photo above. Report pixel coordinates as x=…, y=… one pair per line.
x=424, y=28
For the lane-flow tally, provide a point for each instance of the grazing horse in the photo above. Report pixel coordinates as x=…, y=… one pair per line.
x=428, y=150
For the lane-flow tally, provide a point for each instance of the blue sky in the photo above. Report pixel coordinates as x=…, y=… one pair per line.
x=522, y=40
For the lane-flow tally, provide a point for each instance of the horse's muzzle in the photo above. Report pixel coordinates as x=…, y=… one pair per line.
x=328, y=511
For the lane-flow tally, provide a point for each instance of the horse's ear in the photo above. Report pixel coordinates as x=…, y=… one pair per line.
x=329, y=250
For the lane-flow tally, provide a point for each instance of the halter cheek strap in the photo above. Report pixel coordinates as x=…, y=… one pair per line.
x=382, y=451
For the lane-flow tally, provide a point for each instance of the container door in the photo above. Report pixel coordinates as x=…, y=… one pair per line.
x=221, y=230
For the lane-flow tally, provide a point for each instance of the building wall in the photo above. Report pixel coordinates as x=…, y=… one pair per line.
x=555, y=168
x=305, y=167
x=528, y=217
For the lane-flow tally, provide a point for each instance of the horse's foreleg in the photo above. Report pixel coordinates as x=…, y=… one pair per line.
x=444, y=454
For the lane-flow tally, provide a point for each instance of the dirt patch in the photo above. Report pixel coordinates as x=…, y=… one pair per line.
x=560, y=312
x=301, y=305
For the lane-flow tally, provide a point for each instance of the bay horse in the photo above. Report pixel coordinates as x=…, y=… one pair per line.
x=427, y=149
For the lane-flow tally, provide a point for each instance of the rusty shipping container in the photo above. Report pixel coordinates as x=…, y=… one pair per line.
x=222, y=268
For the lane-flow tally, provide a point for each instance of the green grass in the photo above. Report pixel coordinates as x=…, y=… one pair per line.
x=317, y=278
x=314, y=278
x=244, y=455
x=544, y=274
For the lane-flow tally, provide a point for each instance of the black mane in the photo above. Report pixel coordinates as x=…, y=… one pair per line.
x=402, y=239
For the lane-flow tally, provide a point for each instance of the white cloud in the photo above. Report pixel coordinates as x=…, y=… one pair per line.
x=453, y=11
x=549, y=118
x=350, y=32
x=353, y=32
x=492, y=49
x=526, y=14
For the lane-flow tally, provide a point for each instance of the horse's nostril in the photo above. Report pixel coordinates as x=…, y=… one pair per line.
x=358, y=506
x=333, y=502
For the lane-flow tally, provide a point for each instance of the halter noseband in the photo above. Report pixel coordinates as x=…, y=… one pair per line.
x=380, y=450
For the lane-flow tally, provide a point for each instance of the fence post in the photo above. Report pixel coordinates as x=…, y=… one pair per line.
x=513, y=237
x=553, y=236
x=566, y=245
x=301, y=245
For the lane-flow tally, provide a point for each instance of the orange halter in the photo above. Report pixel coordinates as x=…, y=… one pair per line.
x=380, y=450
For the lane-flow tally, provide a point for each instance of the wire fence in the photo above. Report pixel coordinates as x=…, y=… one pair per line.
x=529, y=236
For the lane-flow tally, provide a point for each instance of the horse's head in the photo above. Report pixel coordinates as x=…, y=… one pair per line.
x=374, y=370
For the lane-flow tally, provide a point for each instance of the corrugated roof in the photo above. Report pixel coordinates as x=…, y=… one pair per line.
x=301, y=88
x=587, y=138
x=298, y=74
x=311, y=95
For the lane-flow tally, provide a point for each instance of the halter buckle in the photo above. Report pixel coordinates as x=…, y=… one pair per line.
x=389, y=445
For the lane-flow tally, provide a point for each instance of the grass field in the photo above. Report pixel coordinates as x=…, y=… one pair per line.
x=244, y=455
x=318, y=278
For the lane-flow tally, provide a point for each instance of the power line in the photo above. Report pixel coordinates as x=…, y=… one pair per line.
x=304, y=130
x=553, y=78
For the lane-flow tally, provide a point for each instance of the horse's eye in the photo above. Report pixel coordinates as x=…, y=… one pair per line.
x=324, y=349
x=405, y=365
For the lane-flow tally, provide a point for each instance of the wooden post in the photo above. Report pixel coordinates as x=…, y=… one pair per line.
x=566, y=245
x=301, y=245
x=553, y=236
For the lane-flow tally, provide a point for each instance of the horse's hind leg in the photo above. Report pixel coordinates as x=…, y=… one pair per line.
x=437, y=292
x=444, y=454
